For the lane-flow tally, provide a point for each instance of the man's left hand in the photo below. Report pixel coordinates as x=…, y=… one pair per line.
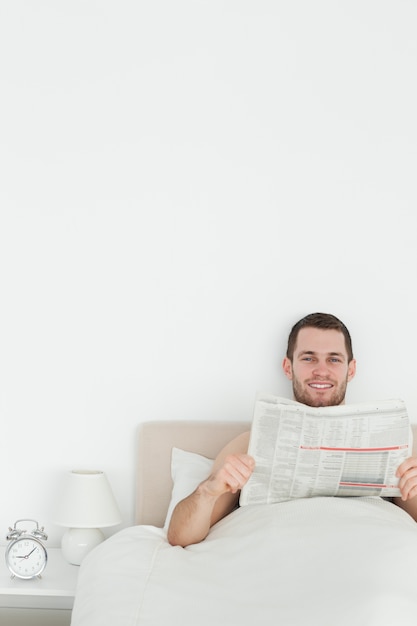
x=407, y=473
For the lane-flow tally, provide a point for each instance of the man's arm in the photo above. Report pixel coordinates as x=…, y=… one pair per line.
x=215, y=497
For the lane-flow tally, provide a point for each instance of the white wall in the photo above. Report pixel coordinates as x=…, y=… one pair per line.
x=180, y=182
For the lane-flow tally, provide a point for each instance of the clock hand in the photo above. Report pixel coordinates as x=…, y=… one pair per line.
x=27, y=555
x=31, y=552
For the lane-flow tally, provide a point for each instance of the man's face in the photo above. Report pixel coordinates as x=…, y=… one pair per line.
x=319, y=370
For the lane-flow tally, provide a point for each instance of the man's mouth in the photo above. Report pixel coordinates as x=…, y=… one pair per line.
x=320, y=386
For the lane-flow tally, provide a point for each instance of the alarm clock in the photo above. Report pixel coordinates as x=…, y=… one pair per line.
x=26, y=556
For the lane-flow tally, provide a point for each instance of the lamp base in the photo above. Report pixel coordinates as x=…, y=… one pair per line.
x=77, y=542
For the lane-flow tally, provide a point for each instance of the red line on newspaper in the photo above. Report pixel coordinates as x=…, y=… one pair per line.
x=354, y=449
x=367, y=485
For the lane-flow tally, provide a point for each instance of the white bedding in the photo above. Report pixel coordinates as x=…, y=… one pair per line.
x=317, y=561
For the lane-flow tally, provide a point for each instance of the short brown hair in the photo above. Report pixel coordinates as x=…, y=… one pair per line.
x=325, y=321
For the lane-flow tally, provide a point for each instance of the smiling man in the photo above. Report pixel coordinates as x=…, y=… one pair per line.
x=319, y=362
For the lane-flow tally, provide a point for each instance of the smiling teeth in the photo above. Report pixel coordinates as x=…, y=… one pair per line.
x=320, y=386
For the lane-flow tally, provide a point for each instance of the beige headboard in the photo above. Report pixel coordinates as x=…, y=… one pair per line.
x=155, y=442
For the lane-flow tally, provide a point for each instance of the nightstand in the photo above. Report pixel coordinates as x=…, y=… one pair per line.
x=55, y=591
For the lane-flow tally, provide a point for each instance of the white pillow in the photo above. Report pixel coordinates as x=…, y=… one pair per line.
x=188, y=470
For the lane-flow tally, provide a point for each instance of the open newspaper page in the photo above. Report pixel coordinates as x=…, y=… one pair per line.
x=346, y=450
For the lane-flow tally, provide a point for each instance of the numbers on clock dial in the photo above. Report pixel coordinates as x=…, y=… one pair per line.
x=27, y=557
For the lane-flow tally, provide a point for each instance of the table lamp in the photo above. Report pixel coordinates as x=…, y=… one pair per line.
x=86, y=504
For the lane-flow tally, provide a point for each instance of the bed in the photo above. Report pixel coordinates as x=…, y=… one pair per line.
x=312, y=561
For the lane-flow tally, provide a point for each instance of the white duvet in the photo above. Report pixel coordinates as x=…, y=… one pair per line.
x=317, y=561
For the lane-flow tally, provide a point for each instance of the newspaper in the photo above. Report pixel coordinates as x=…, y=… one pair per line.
x=346, y=450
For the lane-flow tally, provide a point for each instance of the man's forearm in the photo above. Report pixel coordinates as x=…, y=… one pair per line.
x=191, y=518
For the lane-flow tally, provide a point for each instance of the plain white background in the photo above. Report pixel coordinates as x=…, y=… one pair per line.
x=181, y=181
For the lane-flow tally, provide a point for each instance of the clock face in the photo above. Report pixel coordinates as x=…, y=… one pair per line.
x=26, y=557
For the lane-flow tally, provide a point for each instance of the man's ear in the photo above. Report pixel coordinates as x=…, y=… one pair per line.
x=287, y=367
x=351, y=370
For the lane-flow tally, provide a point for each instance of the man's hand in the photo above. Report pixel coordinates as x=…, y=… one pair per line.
x=231, y=476
x=407, y=473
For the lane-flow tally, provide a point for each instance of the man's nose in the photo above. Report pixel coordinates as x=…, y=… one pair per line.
x=320, y=368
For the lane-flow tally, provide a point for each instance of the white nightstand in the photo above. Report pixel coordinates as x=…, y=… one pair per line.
x=54, y=591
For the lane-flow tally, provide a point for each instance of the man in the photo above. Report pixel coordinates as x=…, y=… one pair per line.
x=319, y=362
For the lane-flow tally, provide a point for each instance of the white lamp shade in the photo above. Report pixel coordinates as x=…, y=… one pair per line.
x=87, y=501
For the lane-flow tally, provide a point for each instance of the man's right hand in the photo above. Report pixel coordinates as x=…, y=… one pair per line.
x=231, y=476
